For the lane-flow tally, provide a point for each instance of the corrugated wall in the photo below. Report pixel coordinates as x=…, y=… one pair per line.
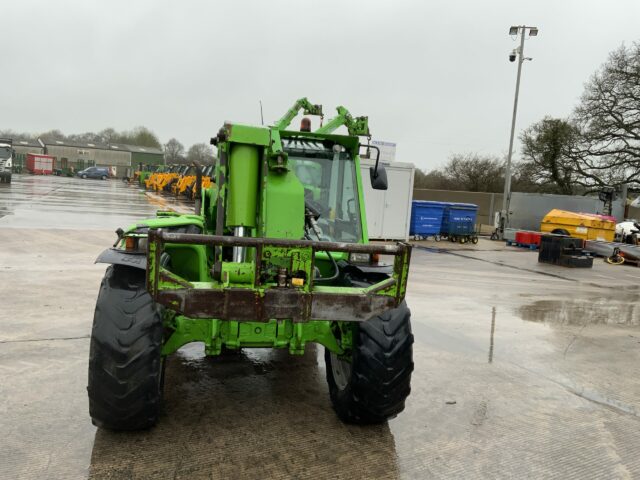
x=106, y=158
x=527, y=209
x=487, y=202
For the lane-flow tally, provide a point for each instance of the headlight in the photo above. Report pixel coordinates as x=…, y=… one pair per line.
x=359, y=258
x=135, y=244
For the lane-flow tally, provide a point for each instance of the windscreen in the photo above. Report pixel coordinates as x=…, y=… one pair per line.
x=5, y=152
x=328, y=175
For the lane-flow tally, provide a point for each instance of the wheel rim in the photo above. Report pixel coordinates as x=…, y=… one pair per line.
x=341, y=371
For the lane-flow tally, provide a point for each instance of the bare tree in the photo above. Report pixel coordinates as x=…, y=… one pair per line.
x=108, y=136
x=475, y=173
x=201, y=153
x=143, y=137
x=608, y=118
x=547, y=155
x=470, y=172
x=173, y=151
x=55, y=133
x=435, y=179
x=88, y=137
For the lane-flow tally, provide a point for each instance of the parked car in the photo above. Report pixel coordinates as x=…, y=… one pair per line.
x=94, y=172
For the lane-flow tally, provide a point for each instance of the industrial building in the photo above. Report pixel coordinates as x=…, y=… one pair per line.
x=79, y=155
x=22, y=147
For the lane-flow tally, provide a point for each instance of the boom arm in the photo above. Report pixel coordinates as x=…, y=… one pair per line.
x=358, y=126
x=309, y=109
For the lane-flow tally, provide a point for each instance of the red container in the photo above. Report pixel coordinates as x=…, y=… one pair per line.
x=40, y=164
x=535, y=238
x=522, y=238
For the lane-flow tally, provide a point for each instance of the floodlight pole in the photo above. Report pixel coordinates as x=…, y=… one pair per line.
x=506, y=196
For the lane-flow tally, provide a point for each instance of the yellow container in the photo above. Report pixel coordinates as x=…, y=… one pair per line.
x=580, y=225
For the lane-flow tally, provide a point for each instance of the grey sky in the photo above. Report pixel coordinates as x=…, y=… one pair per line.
x=432, y=76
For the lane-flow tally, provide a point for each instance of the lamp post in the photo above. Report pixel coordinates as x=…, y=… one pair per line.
x=516, y=54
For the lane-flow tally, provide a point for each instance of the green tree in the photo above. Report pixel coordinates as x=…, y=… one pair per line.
x=547, y=148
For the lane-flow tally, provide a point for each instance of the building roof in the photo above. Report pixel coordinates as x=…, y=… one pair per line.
x=116, y=147
x=136, y=148
x=26, y=142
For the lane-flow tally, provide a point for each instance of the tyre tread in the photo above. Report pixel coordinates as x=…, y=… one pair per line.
x=382, y=364
x=124, y=357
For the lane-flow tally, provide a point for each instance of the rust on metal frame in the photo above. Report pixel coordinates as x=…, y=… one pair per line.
x=243, y=304
x=229, y=241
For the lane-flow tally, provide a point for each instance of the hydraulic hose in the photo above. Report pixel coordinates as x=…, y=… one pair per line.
x=315, y=229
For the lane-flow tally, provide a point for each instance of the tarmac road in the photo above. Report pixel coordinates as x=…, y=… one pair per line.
x=521, y=370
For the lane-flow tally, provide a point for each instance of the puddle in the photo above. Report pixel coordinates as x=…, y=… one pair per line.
x=580, y=312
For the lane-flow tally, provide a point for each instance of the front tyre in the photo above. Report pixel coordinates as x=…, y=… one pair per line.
x=374, y=385
x=125, y=365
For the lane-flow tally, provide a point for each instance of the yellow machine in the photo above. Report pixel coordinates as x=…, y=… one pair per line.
x=579, y=225
x=207, y=173
x=151, y=180
x=187, y=179
x=159, y=179
x=168, y=182
x=187, y=183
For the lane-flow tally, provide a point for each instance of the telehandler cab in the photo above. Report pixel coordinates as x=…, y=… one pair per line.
x=276, y=255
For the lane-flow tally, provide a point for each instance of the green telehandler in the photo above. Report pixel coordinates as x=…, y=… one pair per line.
x=276, y=255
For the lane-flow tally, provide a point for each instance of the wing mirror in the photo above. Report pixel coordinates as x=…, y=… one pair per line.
x=378, y=173
x=378, y=178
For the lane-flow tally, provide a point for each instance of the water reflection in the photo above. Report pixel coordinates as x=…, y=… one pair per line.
x=624, y=310
x=254, y=414
x=493, y=331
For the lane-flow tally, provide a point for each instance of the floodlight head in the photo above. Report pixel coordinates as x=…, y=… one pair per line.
x=533, y=32
x=513, y=30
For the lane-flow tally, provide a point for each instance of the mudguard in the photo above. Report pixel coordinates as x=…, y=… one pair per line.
x=115, y=256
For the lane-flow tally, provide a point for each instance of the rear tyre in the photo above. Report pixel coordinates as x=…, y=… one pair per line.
x=125, y=365
x=103, y=177
x=373, y=387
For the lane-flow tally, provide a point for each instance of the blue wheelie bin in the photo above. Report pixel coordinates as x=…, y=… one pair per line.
x=459, y=222
x=426, y=219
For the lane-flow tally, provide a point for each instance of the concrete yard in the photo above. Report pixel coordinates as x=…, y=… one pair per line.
x=522, y=370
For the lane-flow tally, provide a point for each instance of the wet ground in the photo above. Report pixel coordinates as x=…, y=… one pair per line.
x=521, y=370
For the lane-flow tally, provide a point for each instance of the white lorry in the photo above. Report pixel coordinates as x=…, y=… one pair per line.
x=6, y=159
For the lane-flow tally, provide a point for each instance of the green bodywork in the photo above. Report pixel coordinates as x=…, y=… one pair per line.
x=273, y=287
